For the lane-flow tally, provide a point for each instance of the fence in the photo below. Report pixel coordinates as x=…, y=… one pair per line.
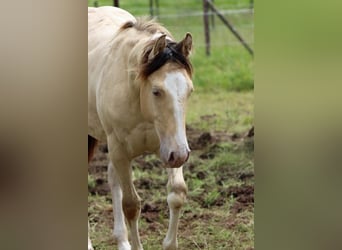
x=229, y=65
x=186, y=16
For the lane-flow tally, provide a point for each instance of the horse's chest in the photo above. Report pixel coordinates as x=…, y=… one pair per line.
x=142, y=139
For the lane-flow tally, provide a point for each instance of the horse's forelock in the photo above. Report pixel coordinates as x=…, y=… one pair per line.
x=169, y=54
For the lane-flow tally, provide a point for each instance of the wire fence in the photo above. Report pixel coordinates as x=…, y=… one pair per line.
x=188, y=17
x=242, y=19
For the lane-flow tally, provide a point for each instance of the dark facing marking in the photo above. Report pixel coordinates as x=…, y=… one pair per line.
x=145, y=25
x=131, y=209
x=91, y=147
x=127, y=25
x=171, y=53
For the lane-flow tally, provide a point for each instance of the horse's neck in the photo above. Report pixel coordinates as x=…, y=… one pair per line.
x=122, y=67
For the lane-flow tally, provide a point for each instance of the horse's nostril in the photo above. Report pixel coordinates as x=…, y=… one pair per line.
x=171, y=157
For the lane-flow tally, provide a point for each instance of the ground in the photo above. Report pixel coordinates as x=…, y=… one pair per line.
x=219, y=212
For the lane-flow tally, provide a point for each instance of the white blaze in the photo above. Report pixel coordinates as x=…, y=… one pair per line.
x=177, y=86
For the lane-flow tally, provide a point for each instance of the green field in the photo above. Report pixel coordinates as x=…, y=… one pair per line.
x=219, y=212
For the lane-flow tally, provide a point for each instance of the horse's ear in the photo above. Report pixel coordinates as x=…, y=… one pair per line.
x=185, y=46
x=158, y=47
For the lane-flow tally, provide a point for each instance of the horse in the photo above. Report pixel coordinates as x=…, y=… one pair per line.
x=139, y=82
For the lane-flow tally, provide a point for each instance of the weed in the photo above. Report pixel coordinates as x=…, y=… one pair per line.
x=210, y=198
x=91, y=182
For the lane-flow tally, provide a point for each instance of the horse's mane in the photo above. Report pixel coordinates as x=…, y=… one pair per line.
x=171, y=53
x=146, y=25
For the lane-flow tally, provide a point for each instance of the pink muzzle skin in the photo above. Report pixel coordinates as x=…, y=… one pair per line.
x=177, y=159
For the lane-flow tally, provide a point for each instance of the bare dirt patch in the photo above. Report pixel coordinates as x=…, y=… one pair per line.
x=244, y=197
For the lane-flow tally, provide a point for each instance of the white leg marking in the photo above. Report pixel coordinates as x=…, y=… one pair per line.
x=175, y=199
x=120, y=230
x=129, y=201
x=90, y=246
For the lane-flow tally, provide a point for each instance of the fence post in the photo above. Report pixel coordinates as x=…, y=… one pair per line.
x=206, y=27
x=230, y=26
x=212, y=17
x=116, y=3
x=157, y=7
x=151, y=8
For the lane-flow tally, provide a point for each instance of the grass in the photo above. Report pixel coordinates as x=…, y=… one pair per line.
x=214, y=110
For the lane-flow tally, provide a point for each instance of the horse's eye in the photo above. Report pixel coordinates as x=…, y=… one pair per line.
x=156, y=92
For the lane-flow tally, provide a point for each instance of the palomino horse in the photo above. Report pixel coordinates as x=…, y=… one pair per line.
x=139, y=80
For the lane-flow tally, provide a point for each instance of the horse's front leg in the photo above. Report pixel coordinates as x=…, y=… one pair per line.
x=90, y=246
x=177, y=194
x=126, y=201
x=119, y=230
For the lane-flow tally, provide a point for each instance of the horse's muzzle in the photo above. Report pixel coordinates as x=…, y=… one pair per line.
x=177, y=159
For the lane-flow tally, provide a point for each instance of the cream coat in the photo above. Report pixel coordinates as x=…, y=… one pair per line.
x=135, y=116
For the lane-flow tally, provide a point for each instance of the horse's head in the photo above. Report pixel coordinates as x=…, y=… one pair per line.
x=164, y=95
